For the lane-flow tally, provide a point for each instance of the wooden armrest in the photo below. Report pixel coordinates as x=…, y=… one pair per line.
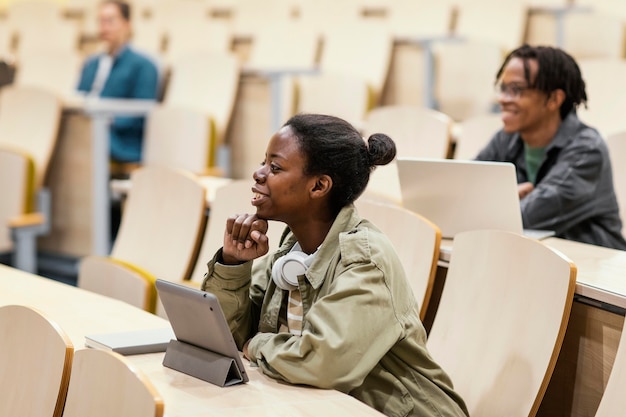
x=26, y=220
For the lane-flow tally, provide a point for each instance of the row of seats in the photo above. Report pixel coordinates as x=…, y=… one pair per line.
x=504, y=24
x=186, y=33
x=42, y=374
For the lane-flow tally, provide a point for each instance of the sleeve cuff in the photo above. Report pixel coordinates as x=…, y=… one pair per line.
x=256, y=344
x=228, y=277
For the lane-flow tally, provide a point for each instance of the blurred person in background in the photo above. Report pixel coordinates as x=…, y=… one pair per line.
x=120, y=72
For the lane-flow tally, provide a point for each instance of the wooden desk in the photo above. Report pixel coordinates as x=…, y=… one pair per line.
x=80, y=312
x=593, y=331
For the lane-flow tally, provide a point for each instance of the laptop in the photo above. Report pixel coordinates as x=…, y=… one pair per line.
x=461, y=195
x=203, y=337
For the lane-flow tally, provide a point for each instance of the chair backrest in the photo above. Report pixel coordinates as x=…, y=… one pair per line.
x=594, y=35
x=35, y=360
x=359, y=49
x=416, y=241
x=283, y=46
x=384, y=184
x=16, y=188
x=231, y=198
x=616, y=143
x=464, y=76
x=187, y=36
x=178, y=138
x=502, y=23
x=117, y=279
x=613, y=400
x=417, y=131
x=51, y=69
x=604, y=83
x=474, y=133
x=60, y=35
x=420, y=19
x=499, y=349
x=107, y=384
x=162, y=222
x=205, y=82
x=339, y=95
x=32, y=14
x=29, y=120
x=251, y=17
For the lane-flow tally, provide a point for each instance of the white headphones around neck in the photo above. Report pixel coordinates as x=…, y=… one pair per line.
x=288, y=267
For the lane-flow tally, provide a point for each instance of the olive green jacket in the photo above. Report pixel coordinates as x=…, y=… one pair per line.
x=361, y=331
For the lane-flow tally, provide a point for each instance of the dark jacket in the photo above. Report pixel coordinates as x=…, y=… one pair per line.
x=132, y=76
x=574, y=193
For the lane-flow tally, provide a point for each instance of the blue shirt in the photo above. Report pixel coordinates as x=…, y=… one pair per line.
x=132, y=76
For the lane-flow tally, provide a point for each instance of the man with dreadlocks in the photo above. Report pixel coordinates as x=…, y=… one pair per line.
x=563, y=168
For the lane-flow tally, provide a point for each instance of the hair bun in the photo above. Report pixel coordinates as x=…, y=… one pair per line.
x=381, y=149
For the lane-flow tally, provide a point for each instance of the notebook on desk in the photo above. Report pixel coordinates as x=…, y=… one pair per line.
x=132, y=342
x=204, y=346
x=463, y=195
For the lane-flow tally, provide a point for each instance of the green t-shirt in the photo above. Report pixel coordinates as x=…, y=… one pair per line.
x=534, y=157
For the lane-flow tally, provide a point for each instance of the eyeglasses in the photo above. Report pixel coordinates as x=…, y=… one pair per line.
x=510, y=91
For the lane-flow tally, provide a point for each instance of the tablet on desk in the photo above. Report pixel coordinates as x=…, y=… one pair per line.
x=204, y=346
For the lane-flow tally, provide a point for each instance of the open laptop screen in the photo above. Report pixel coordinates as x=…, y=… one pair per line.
x=461, y=195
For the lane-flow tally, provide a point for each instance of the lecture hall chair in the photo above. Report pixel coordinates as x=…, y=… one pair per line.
x=106, y=384
x=205, y=82
x=29, y=122
x=337, y=94
x=500, y=22
x=181, y=138
x=464, y=77
x=415, y=239
x=420, y=19
x=187, y=28
x=54, y=70
x=35, y=360
x=472, y=134
x=384, y=184
x=359, y=49
x=251, y=17
x=159, y=234
x=417, y=131
x=501, y=320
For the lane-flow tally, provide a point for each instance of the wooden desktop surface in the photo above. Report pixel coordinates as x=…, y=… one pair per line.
x=600, y=270
x=79, y=313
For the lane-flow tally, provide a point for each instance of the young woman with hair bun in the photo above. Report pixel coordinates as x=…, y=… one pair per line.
x=332, y=307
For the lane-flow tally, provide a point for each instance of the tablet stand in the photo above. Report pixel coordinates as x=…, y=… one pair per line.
x=202, y=364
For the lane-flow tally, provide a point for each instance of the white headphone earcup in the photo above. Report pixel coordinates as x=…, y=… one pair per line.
x=287, y=268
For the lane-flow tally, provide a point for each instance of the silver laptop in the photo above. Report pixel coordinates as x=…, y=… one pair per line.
x=460, y=195
x=199, y=322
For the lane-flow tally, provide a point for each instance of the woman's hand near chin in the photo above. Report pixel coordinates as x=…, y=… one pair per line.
x=245, y=238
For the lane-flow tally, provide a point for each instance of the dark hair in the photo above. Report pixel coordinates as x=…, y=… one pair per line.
x=122, y=6
x=334, y=147
x=557, y=70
